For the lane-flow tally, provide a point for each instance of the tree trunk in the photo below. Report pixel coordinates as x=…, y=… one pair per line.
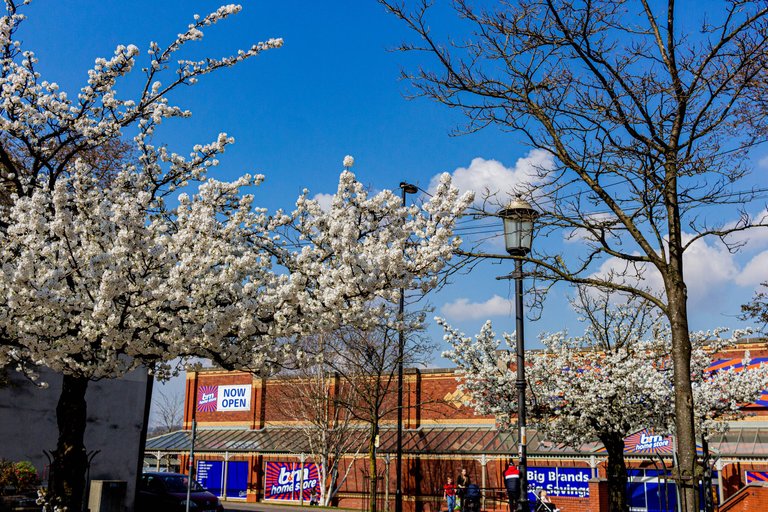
x=70, y=460
x=677, y=313
x=372, y=469
x=681, y=359
x=616, y=472
x=332, y=487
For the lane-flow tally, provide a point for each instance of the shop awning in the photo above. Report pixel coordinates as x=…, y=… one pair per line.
x=741, y=440
x=443, y=440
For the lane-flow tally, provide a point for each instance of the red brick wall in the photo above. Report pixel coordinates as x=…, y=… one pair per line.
x=752, y=498
x=734, y=479
x=430, y=396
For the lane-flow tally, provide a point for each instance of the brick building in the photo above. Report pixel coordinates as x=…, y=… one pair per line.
x=249, y=446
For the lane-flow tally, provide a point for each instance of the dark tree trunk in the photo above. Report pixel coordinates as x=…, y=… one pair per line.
x=616, y=472
x=70, y=460
x=372, y=468
x=681, y=358
x=684, y=421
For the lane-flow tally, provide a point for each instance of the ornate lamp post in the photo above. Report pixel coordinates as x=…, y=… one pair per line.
x=519, y=218
x=406, y=188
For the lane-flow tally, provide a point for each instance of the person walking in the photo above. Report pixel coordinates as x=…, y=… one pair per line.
x=512, y=484
x=449, y=494
x=462, y=481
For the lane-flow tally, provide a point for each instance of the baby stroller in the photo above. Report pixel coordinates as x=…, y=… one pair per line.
x=544, y=507
x=472, y=498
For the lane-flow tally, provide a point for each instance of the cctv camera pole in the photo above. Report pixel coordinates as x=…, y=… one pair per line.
x=191, y=463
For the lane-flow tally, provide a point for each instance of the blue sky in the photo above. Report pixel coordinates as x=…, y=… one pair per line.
x=332, y=90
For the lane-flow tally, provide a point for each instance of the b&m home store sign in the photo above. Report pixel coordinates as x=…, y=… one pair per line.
x=235, y=397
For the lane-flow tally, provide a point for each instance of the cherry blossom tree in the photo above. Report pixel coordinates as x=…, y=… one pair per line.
x=605, y=384
x=100, y=276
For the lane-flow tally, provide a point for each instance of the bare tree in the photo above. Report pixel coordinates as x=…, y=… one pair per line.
x=168, y=409
x=367, y=362
x=317, y=401
x=648, y=123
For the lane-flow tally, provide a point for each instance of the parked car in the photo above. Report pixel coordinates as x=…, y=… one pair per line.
x=167, y=492
x=19, y=503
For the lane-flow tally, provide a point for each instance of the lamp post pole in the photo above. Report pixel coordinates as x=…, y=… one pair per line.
x=520, y=385
x=519, y=218
x=406, y=188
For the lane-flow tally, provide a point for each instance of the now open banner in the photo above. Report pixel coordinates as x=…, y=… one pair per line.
x=233, y=397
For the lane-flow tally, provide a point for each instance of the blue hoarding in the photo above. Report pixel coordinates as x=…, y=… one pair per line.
x=209, y=474
x=237, y=479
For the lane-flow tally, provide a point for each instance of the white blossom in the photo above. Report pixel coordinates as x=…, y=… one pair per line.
x=349, y=161
x=580, y=392
x=97, y=278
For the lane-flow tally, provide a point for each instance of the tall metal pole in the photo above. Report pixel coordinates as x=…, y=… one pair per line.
x=520, y=385
x=191, y=464
x=406, y=188
x=519, y=218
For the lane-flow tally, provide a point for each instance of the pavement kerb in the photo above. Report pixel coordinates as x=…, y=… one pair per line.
x=279, y=507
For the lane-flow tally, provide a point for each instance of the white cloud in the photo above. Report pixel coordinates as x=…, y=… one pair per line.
x=753, y=238
x=763, y=162
x=708, y=268
x=640, y=275
x=463, y=309
x=324, y=200
x=754, y=272
x=485, y=177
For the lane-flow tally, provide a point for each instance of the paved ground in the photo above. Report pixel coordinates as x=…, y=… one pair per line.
x=269, y=507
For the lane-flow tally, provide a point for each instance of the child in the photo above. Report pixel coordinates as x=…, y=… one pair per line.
x=314, y=498
x=449, y=493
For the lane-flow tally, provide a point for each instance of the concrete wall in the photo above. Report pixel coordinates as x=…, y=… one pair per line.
x=114, y=425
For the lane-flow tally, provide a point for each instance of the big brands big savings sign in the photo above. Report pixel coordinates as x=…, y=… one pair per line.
x=233, y=397
x=570, y=482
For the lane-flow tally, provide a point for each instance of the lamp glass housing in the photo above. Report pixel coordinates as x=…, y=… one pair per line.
x=518, y=219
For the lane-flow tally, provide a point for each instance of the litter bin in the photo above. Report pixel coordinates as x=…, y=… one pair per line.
x=472, y=498
x=107, y=496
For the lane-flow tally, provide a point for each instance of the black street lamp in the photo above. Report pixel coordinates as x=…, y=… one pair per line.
x=519, y=218
x=406, y=188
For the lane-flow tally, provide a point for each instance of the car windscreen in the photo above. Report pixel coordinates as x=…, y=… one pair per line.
x=178, y=483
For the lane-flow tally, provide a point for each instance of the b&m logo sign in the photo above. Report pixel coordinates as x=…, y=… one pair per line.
x=207, y=398
x=286, y=480
x=236, y=397
x=646, y=441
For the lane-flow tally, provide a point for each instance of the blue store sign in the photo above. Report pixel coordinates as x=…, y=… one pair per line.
x=570, y=482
